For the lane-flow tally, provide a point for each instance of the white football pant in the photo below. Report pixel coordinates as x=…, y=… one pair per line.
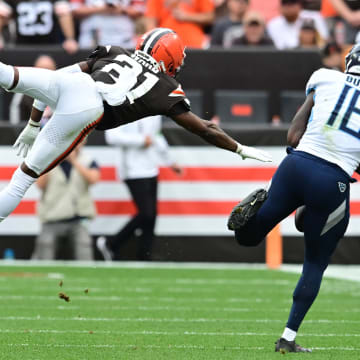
x=77, y=107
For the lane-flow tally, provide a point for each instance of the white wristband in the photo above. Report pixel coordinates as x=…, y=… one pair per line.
x=238, y=148
x=37, y=104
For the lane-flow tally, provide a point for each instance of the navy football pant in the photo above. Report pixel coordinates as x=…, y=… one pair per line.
x=304, y=179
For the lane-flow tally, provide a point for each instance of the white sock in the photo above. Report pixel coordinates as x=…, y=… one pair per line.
x=6, y=75
x=12, y=194
x=289, y=334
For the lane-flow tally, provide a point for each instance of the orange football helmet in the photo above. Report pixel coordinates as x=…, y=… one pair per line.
x=166, y=47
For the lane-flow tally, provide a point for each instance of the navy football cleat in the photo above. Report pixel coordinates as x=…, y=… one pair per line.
x=246, y=208
x=283, y=346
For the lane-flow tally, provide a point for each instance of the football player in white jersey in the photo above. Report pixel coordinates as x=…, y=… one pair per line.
x=325, y=151
x=111, y=88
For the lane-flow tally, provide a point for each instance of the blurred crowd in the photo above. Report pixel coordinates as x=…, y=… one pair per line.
x=284, y=24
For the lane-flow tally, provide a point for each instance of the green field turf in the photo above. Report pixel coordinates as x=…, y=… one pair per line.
x=167, y=313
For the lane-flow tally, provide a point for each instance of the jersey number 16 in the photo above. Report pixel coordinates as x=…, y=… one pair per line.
x=349, y=111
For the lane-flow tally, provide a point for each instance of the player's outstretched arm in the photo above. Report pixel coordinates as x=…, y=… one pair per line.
x=300, y=121
x=214, y=135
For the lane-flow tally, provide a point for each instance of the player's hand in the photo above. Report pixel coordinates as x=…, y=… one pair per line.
x=70, y=46
x=247, y=152
x=26, y=138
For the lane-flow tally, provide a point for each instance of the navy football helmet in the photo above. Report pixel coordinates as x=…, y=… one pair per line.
x=352, y=61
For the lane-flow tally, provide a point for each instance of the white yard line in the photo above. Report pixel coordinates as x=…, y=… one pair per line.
x=167, y=320
x=170, y=308
x=167, y=347
x=347, y=272
x=344, y=272
x=163, y=333
x=140, y=298
x=132, y=264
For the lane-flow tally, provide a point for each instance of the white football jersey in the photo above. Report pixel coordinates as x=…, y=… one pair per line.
x=333, y=130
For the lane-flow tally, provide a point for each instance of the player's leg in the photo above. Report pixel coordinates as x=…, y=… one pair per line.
x=143, y=193
x=45, y=243
x=148, y=213
x=284, y=196
x=318, y=251
x=38, y=83
x=78, y=110
x=325, y=222
x=82, y=242
x=25, y=79
x=136, y=190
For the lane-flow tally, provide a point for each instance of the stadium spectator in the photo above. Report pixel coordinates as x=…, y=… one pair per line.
x=284, y=29
x=106, y=22
x=332, y=21
x=229, y=27
x=142, y=146
x=40, y=22
x=348, y=10
x=20, y=105
x=66, y=207
x=186, y=18
x=309, y=37
x=332, y=56
x=254, y=31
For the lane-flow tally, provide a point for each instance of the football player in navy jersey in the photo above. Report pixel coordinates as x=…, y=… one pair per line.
x=122, y=87
x=317, y=171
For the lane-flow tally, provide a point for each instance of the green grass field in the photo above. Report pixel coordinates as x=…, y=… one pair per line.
x=167, y=313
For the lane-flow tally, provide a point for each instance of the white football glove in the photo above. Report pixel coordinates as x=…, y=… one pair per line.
x=26, y=138
x=247, y=152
